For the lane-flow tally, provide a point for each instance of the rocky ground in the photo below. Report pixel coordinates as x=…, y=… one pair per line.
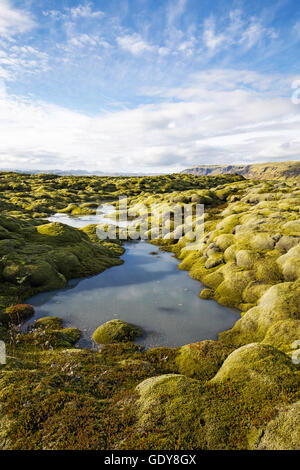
x=240, y=392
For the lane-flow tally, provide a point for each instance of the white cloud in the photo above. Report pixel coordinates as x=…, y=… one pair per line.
x=13, y=21
x=78, y=12
x=16, y=61
x=238, y=31
x=175, y=10
x=227, y=123
x=83, y=40
x=255, y=33
x=85, y=11
x=134, y=44
x=164, y=51
x=211, y=39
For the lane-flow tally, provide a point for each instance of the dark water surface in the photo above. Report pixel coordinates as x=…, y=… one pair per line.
x=147, y=290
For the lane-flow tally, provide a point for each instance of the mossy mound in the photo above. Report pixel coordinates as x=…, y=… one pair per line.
x=280, y=302
x=48, y=323
x=282, y=334
x=175, y=401
x=59, y=233
x=260, y=370
x=48, y=333
x=207, y=294
x=115, y=331
x=19, y=313
x=201, y=360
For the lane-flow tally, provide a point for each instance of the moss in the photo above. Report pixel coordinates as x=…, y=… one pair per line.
x=58, y=233
x=262, y=241
x=230, y=291
x=282, y=432
x=114, y=352
x=258, y=364
x=254, y=291
x=213, y=279
x=115, y=331
x=19, y=313
x=67, y=263
x=52, y=323
x=280, y=302
x=292, y=227
x=224, y=241
x=214, y=259
x=47, y=337
x=44, y=274
x=174, y=401
x=201, y=360
x=246, y=259
x=290, y=264
x=287, y=242
x=268, y=270
x=282, y=334
x=207, y=294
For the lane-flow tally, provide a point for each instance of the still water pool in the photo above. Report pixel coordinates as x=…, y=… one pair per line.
x=147, y=290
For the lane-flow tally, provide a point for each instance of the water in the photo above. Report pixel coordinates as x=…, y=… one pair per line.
x=147, y=290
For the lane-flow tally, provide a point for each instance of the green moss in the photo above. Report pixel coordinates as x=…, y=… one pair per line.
x=224, y=241
x=282, y=432
x=282, y=334
x=258, y=364
x=201, y=360
x=19, y=313
x=290, y=264
x=207, y=294
x=115, y=331
x=58, y=233
x=230, y=291
x=52, y=323
x=175, y=402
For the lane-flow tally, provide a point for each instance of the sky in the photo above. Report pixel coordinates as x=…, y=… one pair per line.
x=148, y=86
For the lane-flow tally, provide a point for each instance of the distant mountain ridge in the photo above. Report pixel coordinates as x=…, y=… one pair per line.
x=263, y=171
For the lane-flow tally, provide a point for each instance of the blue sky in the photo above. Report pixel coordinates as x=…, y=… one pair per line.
x=148, y=85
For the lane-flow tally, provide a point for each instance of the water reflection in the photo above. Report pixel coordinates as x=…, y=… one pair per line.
x=146, y=290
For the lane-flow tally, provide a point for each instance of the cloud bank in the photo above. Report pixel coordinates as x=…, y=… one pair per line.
x=222, y=116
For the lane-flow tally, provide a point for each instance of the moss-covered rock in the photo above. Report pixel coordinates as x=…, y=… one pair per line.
x=115, y=331
x=201, y=360
x=59, y=233
x=207, y=294
x=48, y=323
x=19, y=313
x=280, y=302
x=48, y=337
x=282, y=334
x=175, y=401
x=260, y=370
